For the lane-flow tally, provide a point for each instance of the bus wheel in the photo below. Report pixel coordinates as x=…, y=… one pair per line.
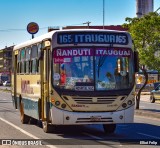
x=109, y=128
x=24, y=118
x=47, y=128
x=152, y=99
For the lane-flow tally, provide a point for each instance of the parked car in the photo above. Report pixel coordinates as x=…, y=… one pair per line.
x=6, y=83
x=155, y=93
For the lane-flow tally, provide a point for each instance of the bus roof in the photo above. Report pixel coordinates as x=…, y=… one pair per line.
x=50, y=34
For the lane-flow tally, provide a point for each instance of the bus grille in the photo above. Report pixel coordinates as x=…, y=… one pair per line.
x=99, y=100
x=87, y=120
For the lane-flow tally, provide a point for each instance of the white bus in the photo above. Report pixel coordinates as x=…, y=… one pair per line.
x=75, y=77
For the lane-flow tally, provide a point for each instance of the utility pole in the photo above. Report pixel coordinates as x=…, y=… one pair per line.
x=87, y=23
x=103, y=12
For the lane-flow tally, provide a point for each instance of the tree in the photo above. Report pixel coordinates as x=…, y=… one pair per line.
x=145, y=32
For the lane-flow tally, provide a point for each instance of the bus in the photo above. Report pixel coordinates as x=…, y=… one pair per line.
x=75, y=77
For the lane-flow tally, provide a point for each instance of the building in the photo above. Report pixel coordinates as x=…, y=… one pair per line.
x=6, y=63
x=144, y=7
x=111, y=27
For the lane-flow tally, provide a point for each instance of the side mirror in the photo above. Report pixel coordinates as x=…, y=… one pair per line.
x=136, y=61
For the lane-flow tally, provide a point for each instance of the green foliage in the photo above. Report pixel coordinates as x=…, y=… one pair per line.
x=145, y=32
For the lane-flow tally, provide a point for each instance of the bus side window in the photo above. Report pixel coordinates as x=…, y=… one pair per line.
x=28, y=67
x=28, y=51
x=34, y=56
x=37, y=66
x=22, y=71
x=34, y=66
x=38, y=58
x=19, y=68
x=18, y=62
x=23, y=67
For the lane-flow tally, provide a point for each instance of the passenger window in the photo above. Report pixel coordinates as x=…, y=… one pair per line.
x=19, y=63
x=34, y=57
x=38, y=59
x=28, y=51
x=39, y=51
x=22, y=61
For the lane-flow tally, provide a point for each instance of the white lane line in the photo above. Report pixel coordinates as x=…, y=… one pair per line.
x=149, y=135
x=23, y=131
x=92, y=136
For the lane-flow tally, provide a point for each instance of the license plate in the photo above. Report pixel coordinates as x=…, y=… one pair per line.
x=95, y=118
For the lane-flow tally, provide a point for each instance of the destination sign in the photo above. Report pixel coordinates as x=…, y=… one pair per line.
x=92, y=37
x=65, y=55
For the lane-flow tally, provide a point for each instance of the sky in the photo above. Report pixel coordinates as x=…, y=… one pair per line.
x=15, y=15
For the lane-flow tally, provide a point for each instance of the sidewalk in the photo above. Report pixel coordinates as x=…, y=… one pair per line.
x=147, y=112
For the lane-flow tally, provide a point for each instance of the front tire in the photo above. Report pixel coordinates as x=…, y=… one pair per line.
x=47, y=128
x=152, y=99
x=109, y=128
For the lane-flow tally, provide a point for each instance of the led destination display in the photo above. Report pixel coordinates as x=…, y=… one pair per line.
x=92, y=37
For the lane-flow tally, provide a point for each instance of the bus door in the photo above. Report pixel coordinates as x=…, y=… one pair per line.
x=14, y=79
x=45, y=81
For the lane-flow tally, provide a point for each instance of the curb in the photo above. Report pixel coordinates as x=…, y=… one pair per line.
x=146, y=113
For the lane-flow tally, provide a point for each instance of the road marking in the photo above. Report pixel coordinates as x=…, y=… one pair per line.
x=24, y=132
x=92, y=136
x=149, y=135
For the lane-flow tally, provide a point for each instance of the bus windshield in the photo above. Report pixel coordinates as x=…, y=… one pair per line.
x=93, y=69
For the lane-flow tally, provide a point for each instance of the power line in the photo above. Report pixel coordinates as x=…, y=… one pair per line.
x=9, y=30
x=13, y=29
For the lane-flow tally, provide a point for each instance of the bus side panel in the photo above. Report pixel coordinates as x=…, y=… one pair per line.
x=31, y=107
x=29, y=91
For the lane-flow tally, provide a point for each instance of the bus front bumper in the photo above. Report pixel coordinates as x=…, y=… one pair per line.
x=61, y=117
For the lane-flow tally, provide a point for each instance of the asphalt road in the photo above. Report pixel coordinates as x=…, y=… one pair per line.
x=145, y=129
